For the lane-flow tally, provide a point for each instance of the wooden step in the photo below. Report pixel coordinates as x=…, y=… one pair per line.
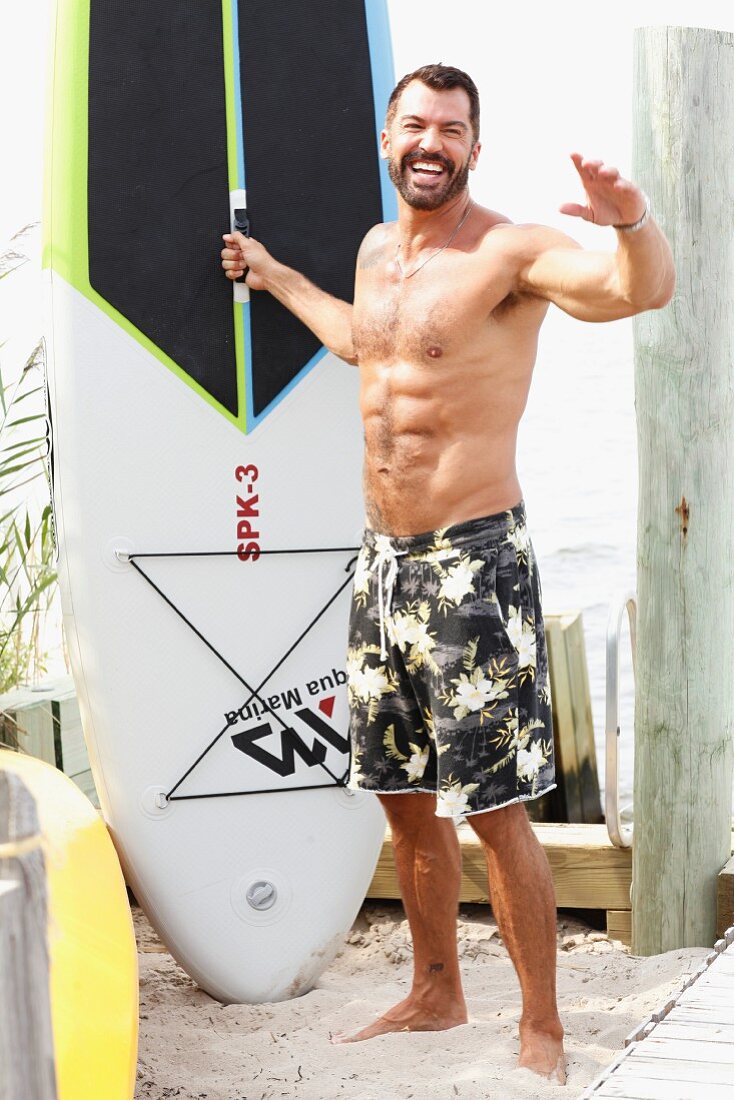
x=588, y=871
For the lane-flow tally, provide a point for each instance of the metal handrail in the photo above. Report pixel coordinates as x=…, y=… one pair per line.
x=619, y=834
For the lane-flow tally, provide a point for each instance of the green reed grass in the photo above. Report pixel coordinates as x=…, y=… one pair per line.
x=28, y=576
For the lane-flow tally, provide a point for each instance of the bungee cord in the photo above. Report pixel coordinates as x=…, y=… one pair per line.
x=171, y=796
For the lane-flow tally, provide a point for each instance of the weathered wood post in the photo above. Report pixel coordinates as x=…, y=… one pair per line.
x=684, y=380
x=26, y=1041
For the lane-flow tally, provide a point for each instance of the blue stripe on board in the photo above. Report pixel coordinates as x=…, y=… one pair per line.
x=252, y=420
x=383, y=81
x=247, y=336
x=380, y=47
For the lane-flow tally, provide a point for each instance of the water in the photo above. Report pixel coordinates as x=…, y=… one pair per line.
x=577, y=461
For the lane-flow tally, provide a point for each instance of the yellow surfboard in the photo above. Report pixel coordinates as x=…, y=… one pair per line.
x=93, y=976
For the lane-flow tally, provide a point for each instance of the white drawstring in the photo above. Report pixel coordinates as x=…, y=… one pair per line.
x=385, y=586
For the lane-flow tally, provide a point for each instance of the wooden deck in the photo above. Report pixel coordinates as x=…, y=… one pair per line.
x=45, y=722
x=588, y=871
x=686, y=1050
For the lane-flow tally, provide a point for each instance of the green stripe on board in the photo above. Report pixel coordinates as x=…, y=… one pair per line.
x=229, y=85
x=65, y=240
x=65, y=231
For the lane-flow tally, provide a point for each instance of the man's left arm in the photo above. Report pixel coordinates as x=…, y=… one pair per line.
x=600, y=286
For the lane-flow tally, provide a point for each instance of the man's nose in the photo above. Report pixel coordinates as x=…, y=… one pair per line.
x=430, y=141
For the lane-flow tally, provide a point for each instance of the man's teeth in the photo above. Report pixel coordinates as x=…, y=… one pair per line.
x=426, y=166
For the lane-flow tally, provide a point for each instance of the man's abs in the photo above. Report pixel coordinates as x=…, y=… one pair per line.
x=445, y=367
x=439, y=454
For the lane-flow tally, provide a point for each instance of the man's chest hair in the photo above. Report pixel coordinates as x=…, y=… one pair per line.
x=429, y=321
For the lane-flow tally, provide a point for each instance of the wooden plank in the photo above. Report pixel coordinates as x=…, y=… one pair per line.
x=85, y=783
x=26, y=1038
x=639, y=1065
x=588, y=871
x=710, y=995
x=721, y=1013
x=722, y=968
x=578, y=836
x=716, y=980
x=705, y=1031
x=50, y=728
x=693, y=1050
x=567, y=764
x=619, y=925
x=583, y=722
x=32, y=711
x=74, y=750
x=725, y=898
x=36, y=731
x=642, y=1088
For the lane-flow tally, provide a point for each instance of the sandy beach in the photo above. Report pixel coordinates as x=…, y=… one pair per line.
x=194, y=1048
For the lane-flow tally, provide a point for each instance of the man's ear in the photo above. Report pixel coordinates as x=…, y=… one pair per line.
x=474, y=155
x=384, y=144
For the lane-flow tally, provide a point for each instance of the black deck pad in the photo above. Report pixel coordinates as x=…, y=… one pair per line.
x=311, y=165
x=158, y=185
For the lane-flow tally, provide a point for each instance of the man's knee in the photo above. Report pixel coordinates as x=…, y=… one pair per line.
x=494, y=826
x=408, y=810
x=429, y=841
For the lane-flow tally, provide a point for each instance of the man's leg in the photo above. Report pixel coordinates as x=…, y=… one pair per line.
x=523, y=902
x=428, y=862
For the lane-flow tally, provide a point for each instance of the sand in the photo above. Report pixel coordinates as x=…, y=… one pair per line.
x=194, y=1048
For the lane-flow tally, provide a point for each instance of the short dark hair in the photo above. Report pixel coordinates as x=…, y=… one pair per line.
x=442, y=78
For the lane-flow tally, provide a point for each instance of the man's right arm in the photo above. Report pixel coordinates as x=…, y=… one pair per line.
x=329, y=318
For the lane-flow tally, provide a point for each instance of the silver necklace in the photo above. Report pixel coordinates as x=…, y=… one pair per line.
x=433, y=254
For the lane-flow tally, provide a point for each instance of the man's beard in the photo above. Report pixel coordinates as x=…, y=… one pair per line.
x=427, y=199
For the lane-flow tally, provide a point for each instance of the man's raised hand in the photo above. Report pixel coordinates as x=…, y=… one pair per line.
x=241, y=252
x=610, y=199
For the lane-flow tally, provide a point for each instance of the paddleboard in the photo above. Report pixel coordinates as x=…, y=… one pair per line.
x=206, y=460
x=93, y=962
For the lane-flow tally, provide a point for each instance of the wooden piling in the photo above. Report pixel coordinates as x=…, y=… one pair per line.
x=26, y=1038
x=684, y=382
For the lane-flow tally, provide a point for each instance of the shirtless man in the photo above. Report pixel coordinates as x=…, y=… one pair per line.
x=447, y=661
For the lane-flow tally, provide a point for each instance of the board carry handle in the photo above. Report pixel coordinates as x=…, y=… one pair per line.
x=240, y=223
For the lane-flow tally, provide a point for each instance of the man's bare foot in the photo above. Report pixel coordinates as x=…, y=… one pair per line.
x=412, y=1014
x=542, y=1052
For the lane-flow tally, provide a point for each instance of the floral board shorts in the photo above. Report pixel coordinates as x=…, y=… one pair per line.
x=448, y=668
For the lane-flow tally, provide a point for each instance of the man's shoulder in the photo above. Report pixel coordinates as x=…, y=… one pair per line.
x=526, y=239
x=379, y=232
x=374, y=243
x=516, y=246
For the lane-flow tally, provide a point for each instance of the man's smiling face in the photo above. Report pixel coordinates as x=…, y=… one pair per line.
x=429, y=146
